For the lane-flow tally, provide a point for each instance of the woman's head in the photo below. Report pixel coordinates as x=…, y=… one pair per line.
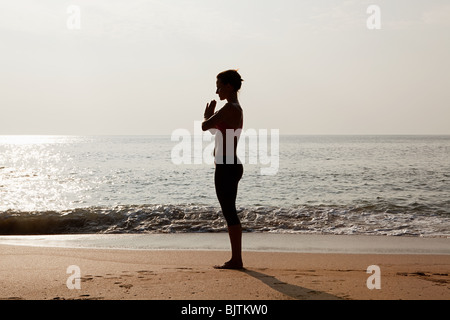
x=228, y=82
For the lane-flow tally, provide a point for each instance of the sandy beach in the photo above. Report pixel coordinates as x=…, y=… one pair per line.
x=32, y=272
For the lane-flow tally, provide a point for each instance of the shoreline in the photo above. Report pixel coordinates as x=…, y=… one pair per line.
x=259, y=242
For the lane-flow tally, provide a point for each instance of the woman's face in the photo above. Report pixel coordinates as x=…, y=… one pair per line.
x=223, y=90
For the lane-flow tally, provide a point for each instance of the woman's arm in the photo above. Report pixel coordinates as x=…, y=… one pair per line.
x=211, y=122
x=209, y=110
x=211, y=118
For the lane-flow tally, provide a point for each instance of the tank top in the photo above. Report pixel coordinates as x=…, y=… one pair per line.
x=220, y=140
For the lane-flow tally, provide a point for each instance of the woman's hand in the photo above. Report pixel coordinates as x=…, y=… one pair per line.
x=209, y=110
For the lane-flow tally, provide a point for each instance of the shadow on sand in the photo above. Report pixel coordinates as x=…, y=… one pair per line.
x=290, y=290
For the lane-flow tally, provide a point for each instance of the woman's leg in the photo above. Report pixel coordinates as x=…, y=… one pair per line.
x=235, y=234
x=226, y=181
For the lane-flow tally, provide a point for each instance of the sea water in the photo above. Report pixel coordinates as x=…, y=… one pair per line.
x=377, y=185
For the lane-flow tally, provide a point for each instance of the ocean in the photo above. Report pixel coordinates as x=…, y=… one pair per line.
x=365, y=185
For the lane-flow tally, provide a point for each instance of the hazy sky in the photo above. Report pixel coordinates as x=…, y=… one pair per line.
x=149, y=67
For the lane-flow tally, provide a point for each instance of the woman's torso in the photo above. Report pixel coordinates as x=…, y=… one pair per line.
x=230, y=132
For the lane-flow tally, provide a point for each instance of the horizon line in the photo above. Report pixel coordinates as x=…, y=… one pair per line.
x=281, y=134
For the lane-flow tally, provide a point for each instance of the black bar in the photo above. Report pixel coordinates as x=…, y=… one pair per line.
x=216, y=309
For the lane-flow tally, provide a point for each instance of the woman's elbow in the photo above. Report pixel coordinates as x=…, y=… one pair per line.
x=208, y=127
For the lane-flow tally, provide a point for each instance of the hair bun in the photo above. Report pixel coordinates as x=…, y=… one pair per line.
x=231, y=77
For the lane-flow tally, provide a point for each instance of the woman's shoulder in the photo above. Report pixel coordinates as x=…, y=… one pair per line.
x=230, y=114
x=233, y=106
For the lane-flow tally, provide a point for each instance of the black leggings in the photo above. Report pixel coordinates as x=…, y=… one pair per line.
x=226, y=179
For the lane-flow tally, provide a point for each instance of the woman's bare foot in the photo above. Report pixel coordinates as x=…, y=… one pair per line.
x=230, y=265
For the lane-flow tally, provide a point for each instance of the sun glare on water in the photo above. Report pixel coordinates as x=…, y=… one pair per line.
x=32, y=139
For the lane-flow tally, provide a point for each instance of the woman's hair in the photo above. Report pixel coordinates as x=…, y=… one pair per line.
x=231, y=77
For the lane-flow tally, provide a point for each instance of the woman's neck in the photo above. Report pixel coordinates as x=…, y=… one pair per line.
x=233, y=98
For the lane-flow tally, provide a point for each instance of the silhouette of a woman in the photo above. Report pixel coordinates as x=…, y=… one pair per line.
x=227, y=125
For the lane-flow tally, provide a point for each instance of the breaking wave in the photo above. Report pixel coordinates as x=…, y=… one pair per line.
x=365, y=219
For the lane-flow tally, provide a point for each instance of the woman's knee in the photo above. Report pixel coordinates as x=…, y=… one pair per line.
x=232, y=220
